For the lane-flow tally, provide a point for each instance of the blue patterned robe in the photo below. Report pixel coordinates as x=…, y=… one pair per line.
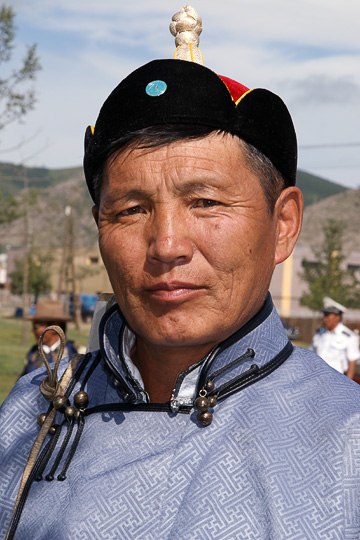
x=280, y=460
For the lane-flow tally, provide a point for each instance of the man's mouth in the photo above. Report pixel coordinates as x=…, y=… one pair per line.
x=174, y=291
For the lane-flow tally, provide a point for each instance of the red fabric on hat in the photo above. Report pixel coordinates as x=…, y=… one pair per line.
x=236, y=89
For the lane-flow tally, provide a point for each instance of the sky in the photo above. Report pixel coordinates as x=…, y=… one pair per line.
x=308, y=52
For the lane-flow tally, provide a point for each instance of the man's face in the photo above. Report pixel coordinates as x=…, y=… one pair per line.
x=38, y=328
x=187, y=240
x=331, y=320
x=50, y=336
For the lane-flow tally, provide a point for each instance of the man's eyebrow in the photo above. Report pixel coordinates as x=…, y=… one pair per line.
x=129, y=194
x=194, y=187
x=185, y=188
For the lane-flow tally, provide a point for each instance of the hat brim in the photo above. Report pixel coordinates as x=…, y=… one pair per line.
x=328, y=311
x=63, y=318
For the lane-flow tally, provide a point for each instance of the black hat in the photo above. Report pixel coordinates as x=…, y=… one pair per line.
x=182, y=92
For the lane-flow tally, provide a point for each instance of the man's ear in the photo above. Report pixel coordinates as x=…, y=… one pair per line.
x=95, y=213
x=288, y=211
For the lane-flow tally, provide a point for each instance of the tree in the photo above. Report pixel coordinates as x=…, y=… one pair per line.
x=15, y=103
x=9, y=209
x=327, y=275
x=12, y=208
x=38, y=278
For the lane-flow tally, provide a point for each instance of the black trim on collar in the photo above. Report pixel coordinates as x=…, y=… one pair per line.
x=248, y=378
x=258, y=319
x=253, y=374
x=122, y=387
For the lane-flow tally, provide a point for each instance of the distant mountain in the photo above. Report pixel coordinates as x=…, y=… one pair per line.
x=12, y=177
x=315, y=189
x=46, y=219
x=344, y=207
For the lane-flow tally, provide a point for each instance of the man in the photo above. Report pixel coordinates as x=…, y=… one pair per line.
x=197, y=418
x=47, y=313
x=336, y=343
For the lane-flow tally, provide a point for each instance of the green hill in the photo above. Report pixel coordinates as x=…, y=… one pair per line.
x=13, y=177
x=315, y=188
x=12, y=180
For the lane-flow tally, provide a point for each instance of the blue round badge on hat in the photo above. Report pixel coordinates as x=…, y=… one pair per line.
x=156, y=88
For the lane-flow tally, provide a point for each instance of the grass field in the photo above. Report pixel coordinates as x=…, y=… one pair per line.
x=12, y=352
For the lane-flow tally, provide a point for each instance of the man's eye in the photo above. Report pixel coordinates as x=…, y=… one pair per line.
x=206, y=203
x=132, y=211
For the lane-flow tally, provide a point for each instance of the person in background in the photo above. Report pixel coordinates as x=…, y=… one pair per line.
x=335, y=342
x=48, y=313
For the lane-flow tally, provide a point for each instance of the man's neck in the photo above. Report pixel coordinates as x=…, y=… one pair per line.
x=161, y=366
x=333, y=329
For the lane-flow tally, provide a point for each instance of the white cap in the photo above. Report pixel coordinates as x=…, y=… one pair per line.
x=330, y=306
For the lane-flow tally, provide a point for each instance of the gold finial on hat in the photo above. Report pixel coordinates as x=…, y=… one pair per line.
x=186, y=26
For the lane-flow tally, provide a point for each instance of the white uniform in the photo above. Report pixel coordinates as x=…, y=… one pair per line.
x=338, y=347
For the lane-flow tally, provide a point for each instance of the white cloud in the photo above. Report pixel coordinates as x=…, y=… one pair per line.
x=323, y=90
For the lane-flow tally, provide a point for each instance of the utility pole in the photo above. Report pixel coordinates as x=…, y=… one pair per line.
x=67, y=270
x=75, y=296
x=63, y=262
x=25, y=295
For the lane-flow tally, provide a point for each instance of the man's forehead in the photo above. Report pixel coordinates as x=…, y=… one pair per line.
x=212, y=157
x=145, y=149
x=208, y=174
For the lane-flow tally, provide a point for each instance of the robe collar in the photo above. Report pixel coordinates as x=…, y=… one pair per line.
x=264, y=334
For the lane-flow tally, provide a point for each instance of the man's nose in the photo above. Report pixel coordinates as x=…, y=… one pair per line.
x=169, y=239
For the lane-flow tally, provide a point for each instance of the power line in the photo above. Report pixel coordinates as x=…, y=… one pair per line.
x=333, y=145
x=334, y=166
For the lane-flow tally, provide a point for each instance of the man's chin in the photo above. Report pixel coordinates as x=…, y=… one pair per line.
x=176, y=332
